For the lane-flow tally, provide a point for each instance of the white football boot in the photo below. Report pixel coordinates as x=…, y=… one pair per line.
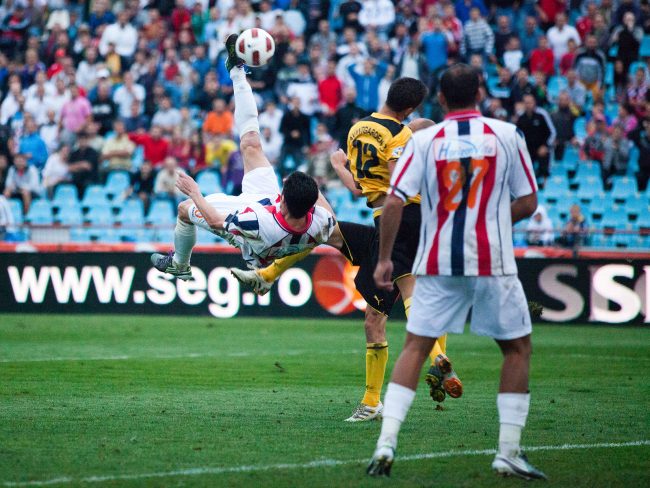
x=251, y=278
x=365, y=412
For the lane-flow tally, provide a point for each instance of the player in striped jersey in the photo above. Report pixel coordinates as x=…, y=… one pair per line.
x=476, y=178
x=264, y=222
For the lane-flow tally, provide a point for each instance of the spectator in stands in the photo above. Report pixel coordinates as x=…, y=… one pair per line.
x=4, y=168
x=10, y=103
x=464, y=9
x=180, y=148
x=348, y=115
x=22, y=181
x=304, y=88
x=84, y=164
x=13, y=30
x=530, y=36
x=122, y=34
x=569, y=58
x=641, y=139
x=502, y=35
x=435, y=44
x=142, y=182
x=167, y=117
x=56, y=170
x=154, y=144
x=118, y=150
x=590, y=64
x=575, y=232
x=627, y=37
x=617, y=154
x=594, y=145
x=103, y=107
x=88, y=69
x=377, y=14
x=319, y=158
x=367, y=83
x=563, y=119
x=522, y=87
x=165, y=182
x=126, y=94
x=75, y=115
x=330, y=93
x=271, y=117
x=541, y=58
x=136, y=121
x=478, y=37
x=626, y=119
x=32, y=146
x=295, y=128
x=539, y=231
x=271, y=145
x=501, y=91
x=539, y=132
x=576, y=90
x=49, y=132
x=513, y=56
x=232, y=173
x=559, y=35
x=219, y=121
x=636, y=92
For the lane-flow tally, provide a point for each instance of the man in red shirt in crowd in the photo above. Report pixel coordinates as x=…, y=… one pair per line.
x=330, y=90
x=586, y=23
x=541, y=58
x=154, y=144
x=548, y=10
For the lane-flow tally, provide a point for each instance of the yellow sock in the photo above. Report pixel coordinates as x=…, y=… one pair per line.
x=273, y=271
x=376, y=359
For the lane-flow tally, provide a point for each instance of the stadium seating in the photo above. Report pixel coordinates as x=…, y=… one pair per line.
x=131, y=212
x=644, y=50
x=208, y=182
x=100, y=215
x=16, y=210
x=94, y=196
x=161, y=213
x=70, y=215
x=65, y=195
x=590, y=188
x=40, y=213
x=623, y=187
x=116, y=183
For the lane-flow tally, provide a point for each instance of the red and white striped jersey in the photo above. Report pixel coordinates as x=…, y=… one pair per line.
x=467, y=169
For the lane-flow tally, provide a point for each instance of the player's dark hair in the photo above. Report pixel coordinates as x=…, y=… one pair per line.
x=300, y=193
x=459, y=84
x=405, y=93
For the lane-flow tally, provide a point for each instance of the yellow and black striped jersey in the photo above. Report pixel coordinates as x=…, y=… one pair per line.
x=373, y=143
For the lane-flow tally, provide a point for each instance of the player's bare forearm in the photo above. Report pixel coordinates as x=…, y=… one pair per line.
x=391, y=217
x=523, y=207
x=339, y=163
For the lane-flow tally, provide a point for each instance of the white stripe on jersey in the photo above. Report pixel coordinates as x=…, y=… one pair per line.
x=466, y=222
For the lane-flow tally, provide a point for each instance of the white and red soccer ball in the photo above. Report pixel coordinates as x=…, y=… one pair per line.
x=255, y=46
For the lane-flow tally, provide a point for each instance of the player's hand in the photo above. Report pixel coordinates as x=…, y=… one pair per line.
x=384, y=275
x=338, y=159
x=186, y=184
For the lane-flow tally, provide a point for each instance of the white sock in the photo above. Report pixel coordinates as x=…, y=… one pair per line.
x=184, y=240
x=397, y=402
x=245, y=106
x=513, y=411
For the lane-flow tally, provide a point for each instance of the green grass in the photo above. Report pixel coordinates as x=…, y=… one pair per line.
x=134, y=395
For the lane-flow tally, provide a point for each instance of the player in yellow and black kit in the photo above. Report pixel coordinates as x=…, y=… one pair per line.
x=374, y=145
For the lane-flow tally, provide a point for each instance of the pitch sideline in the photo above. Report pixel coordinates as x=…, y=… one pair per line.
x=319, y=463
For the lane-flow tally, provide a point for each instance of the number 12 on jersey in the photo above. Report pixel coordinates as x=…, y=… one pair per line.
x=454, y=177
x=366, y=159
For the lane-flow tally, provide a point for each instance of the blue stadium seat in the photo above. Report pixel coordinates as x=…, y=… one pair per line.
x=40, y=213
x=116, y=183
x=554, y=214
x=558, y=168
x=102, y=234
x=637, y=205
x=139, y=235
x=623, y=187
x=164, y=235
x=633, y=162
x=138, y=157
x=131, y=212
x=65, y=195
x=644, y=50
x=16, y=207
x=571, y=158
x=580, y=128
x=624, y=236
x=590, y=188
x=600, y=240
x=208, y=182
x=100, y=215
x=556, y=188
x=609, y=74
x=339, y=196
x=555, y=85
x=161, y=212
x=587, y=169
x=643, y=222
x=614, y=217
x=94, y=196
x=70, y=215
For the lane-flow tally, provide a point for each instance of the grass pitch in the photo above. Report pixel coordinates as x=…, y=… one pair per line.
x=174, y=401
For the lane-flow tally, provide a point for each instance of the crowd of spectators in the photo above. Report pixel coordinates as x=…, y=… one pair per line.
x=91, y=86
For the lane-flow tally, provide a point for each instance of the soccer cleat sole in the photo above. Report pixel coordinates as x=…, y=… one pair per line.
x=453, y=386
x=436, y=389
x=380, y=467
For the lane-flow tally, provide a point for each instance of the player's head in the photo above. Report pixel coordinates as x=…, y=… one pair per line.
x=405, y=95
x=459, y=87
x=299, y=193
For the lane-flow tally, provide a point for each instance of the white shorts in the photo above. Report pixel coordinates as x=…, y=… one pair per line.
x=257, y=184
x=441, y=304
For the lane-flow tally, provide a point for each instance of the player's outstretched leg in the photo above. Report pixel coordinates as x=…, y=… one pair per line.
x=177, y=262
x=246, y=121
x=513, y=402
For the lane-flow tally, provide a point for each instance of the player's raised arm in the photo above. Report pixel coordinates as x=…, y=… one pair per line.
x=339, y=161
x=189, y=187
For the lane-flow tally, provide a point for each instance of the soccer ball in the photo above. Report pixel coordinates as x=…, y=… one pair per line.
x=255, y=47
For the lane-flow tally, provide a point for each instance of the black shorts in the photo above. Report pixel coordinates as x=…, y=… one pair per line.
x=362, y=249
